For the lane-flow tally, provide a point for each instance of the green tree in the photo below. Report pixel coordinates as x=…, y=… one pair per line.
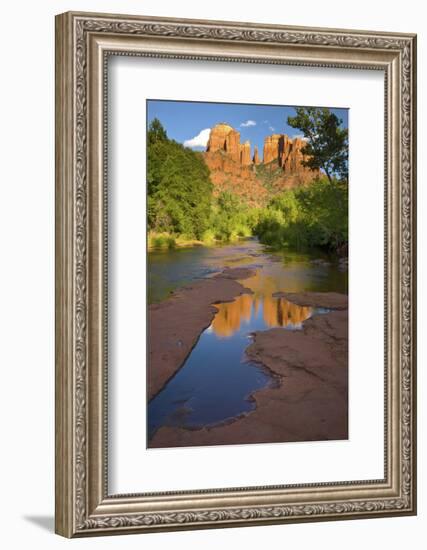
x=311, y=216
x=327, y=141
x=178, y=186
x=156, y=132
x=227, y=216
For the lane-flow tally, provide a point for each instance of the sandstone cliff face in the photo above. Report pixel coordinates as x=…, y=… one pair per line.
x=234, y=169
x=291, y=157
x=225, y=138
x=231, y=165
x=273, y=148
x=286, y=152
x=245, y=154
x=280, y=150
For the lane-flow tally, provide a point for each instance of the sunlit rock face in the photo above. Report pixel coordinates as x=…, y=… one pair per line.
x=233, y=168
x=245, y=154
x=273, y=148
x=225, y=138
x=292, y=157
x=278, y=148
x=287, y=153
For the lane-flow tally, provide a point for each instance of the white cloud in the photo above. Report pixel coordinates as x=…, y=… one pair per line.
x=271, y=128
x=201, y=140
x=300, y=136
x=248, y=123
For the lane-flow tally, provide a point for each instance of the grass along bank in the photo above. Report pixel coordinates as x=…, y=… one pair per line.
x=168, y=241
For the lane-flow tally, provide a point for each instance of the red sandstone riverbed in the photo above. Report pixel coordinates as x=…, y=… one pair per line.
x=176, y=323
x=309, y=401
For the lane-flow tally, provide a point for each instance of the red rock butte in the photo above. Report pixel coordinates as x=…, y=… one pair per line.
x=286, y=152
x=225, y=138
x=234, y=169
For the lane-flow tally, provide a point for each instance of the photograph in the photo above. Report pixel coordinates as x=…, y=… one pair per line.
x=247, y=273
x=235, y=271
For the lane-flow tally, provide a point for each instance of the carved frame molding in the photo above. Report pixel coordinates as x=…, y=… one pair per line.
x=83, y=43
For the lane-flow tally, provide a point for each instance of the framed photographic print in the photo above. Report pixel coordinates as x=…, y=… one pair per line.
x=235, y=274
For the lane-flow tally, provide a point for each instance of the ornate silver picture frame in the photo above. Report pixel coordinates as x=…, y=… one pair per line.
x=84, y=42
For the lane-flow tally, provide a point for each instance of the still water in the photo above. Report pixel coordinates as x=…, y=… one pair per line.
x=216, y=382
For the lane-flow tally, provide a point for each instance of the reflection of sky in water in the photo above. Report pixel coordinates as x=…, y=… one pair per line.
x=215, y=382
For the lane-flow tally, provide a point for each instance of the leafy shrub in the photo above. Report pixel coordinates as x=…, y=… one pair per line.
x=161, y=241
x=314, y=215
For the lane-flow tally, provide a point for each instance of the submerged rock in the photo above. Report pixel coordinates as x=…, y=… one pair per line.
x=236, y=273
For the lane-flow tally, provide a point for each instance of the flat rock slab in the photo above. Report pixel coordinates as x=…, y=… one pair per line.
x=327, y=300
x=174, y=325
x=310, y=400
x=236, y=273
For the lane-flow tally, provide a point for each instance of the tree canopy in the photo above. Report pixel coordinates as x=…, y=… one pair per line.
x=156, y=132
x=183, y=207
x=179, y=186
x=311, y=216
x=327, y=140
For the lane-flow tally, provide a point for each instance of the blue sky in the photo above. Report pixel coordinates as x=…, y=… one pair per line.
x=189, y=122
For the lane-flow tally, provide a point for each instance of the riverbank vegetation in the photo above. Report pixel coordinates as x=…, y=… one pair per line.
x=183, y=211
x=312, y=216
x=315, y=215
x=178, y=187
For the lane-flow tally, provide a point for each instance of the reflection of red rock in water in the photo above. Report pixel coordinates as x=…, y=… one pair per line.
x=230, y=315
x=176, y=323
x=277, y=312
x=310, y=402
x=281, y=313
